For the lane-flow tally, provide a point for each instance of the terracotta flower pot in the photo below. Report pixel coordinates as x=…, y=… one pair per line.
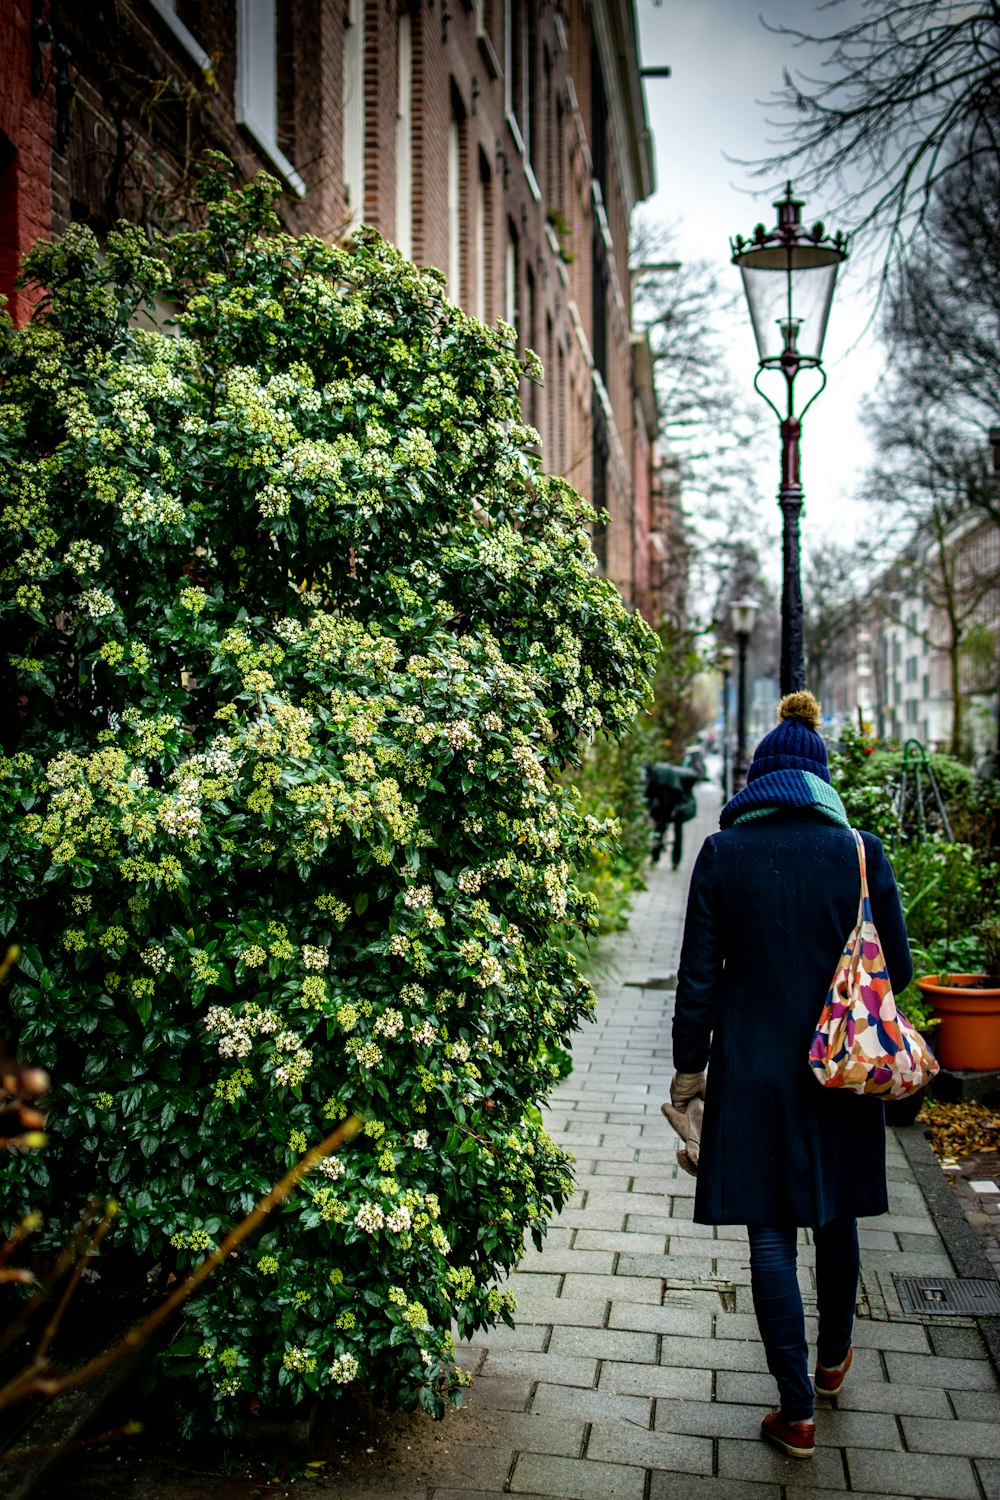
x=968, y=1006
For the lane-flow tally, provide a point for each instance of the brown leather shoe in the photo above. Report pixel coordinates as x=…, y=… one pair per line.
x=796, y=1439
x=829, y=1381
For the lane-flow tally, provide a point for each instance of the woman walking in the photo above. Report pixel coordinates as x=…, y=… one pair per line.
x=773, y=896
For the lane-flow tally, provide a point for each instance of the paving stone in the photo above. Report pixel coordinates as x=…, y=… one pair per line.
x=581, y=1312
x=649, y=1224
x=932, y=1478
x=687, y=1322
x=576, y=1478
x=974, y=1406
x=751, y=1389
x=989, y=1477
x=592, y=1406
x=668, y=1267
x=561, y=1369
x=655, y=1380
x=630, y=1288
x=603, y=1239
x=902, y=1223
x=728, y=1250
x=957, y=1343
x=757, y=1460
x=971, y=1439
x=668, y=1487
x=902, y=1400
x=707, y=1418
x=594, y=1218
x=858, y=1429
x=878, y=1239
x=605, y=1343
x=535, y=1283
x=509, y=1393
x=556, y=1259
x=533, y=1432
x=951, y=1374
x=652, y=1450
x=525, y=1336
x=713, y=1354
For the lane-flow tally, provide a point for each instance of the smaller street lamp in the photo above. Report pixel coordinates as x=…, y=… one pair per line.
x=789, y=274
x=727, y=655
x=742, y=613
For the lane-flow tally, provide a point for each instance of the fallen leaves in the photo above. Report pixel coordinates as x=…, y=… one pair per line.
x=958, y=1130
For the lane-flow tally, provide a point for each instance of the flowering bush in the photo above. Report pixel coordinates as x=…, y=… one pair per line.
x=298, y=638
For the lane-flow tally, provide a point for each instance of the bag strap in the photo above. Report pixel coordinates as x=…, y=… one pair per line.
x=861, y=860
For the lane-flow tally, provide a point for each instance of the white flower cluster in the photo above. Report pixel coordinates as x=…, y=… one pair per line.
x=399, y=1220
x=83, y=557
x=96, y=603
x=155, y=956
x=369, y=1217
x=218, y=758
x=238, y=1031
x=292, y=1059
x=556, y=878
x=147, y=509
x=490, y=971
x=274, y=500
x=470, y=881
x=459, y=733
x=425, y=1034
x=417, y=896
x=421, y=1140
x=529, y=766
x=389, y=1024
x=315, y=958
x=344, y=1369
x=332, y=1167
x=180, y=815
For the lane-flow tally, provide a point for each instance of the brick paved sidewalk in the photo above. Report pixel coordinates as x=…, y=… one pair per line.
x=635, y=1371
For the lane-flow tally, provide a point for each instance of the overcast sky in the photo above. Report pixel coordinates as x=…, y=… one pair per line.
x=724, y=63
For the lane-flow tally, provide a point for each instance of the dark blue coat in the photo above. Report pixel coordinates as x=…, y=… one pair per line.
x=770, y=907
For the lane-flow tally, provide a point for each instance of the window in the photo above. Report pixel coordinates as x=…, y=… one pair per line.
x=257, y=82
x=353, y=100
x=455, y=134
x=510, y=304
x=404, y=136
x=169, y=9
x=530, y=339
x=482, y=237
x=911, y=669
x=517, y=72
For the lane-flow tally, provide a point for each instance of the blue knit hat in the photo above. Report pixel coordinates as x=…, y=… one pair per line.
x=795, y=744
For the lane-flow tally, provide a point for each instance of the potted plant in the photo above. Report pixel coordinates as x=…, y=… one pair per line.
x=968, y=1008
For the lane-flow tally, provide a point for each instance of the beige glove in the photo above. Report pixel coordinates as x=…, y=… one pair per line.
x=685, y=1113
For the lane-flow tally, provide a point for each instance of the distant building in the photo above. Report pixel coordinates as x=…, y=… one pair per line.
x=503, y=141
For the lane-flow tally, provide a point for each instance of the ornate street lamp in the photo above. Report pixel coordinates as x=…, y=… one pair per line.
x=742, y=613
x=727, y=655
x=789, y=274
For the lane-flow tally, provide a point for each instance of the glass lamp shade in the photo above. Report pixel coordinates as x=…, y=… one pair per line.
x=742, y=613
x=789, y=275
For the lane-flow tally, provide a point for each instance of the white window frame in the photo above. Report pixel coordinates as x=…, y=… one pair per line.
x=404, y=135
x=510, y=278
x=479, y=249
x=257, y=83
x=354, y=112
x=455, y=210
x=167, y=11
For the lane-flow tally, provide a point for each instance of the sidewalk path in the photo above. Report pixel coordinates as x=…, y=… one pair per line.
x=635, y=1370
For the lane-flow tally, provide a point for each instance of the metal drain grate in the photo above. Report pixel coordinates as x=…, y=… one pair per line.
x=942, y=1294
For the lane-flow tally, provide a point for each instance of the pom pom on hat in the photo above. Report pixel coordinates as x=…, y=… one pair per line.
x=795, y=745
x=802, y=706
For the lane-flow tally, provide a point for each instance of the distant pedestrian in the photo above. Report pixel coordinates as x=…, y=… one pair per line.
x=773, y=897
x=670, y=798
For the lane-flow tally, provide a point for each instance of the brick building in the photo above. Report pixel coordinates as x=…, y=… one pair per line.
x=503, y=141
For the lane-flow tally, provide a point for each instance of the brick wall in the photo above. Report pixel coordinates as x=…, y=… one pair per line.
x=145, y=109
x=25, y=148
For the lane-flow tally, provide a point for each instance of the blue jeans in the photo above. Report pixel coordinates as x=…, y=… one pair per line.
x=777, y=1302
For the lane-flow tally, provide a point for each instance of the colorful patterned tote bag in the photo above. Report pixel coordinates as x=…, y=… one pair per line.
x=862, y=1042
